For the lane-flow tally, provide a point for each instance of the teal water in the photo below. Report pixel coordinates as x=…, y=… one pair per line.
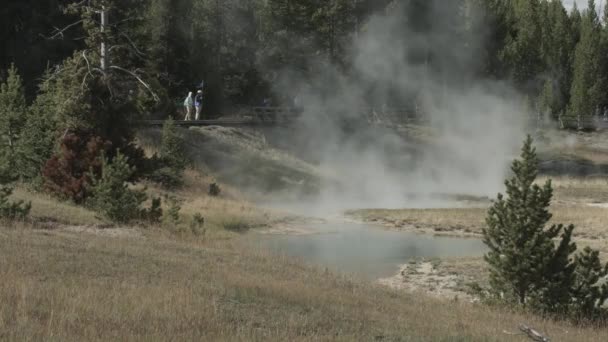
x=365, y=250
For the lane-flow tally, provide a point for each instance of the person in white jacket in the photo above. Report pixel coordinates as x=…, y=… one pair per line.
x=188, y=104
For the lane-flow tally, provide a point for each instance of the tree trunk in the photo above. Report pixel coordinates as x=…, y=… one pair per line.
x=104, y=50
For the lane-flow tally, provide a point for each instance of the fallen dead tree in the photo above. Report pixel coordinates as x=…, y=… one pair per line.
x=533, y=334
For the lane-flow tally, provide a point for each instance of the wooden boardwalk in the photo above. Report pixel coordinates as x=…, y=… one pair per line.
x=256, y=116
x=584, y=123
x=387, y=117
x=282, y=116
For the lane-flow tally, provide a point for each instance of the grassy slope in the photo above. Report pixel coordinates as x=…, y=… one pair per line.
x=78, y=282
x=64, y=285
x=243, y=159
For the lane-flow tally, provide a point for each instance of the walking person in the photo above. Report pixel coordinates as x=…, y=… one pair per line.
x=198, y=104
x=188, y=104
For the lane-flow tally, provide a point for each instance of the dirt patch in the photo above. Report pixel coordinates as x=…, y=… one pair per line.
x=291, y=226
x=115, y=232
x=429, y=277
x=285, y=229
x=420, y=221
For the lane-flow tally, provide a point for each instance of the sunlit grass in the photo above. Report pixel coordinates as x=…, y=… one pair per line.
x=58, y=285
x=46, y=207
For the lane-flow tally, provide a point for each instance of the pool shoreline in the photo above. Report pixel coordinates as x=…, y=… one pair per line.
x=363, y=249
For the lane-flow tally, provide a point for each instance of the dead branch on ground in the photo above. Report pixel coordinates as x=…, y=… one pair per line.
x=533, y=334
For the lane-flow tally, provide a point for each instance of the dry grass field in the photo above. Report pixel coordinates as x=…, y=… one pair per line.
x=84, y=286
x=68, y=275
x=580, y=201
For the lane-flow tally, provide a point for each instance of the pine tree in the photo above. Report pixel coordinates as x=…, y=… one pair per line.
x=548, y=101
x=523, y=52
x=102, y=93
x=558, y=46
x=111, y=193
x=575, y=23
x=334, y=23
x=603, y=71
x=493, y=23
x=525, y=265
x=164, y=40
x=585, y=92
x=172, y=147
x=38, y=138
x=589, y=293
x=290, y=34
x=173, y=159
x=12, y=119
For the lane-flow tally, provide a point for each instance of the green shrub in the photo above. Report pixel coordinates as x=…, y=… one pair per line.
x=197, y=224
x=236, y=225
x=12, y=210
x=590, y=290
x=111, y=195
x=167, y=177
x=214, y=190
x=153, y=214
x=171, y=216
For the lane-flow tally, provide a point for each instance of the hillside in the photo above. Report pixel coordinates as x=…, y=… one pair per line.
x=62, y=284
x=243, y=158
x=69, y=275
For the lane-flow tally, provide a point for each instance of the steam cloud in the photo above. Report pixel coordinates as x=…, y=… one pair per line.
x=477, y=125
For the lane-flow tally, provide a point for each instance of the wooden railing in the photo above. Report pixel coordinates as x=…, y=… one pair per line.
x=274, y=115
x=271, y=116
x=583, y=122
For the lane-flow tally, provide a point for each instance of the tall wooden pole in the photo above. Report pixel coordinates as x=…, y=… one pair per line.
x=104, y=50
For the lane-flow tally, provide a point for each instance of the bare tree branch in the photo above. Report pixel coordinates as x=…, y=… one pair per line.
x=156, y=98
x=55, y=73
x=59, y=32
x=90, y=70
x=80, y=3
x=126, y=47
x=133, y=18
x=137, y=51
x=84, y=55
x=84, y=81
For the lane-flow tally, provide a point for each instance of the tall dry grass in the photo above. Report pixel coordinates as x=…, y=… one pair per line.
x=58, y=285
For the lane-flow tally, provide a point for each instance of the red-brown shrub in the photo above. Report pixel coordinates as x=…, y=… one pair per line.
x=68, y=173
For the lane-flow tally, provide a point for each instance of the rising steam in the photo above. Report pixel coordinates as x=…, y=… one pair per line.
x=475, y=125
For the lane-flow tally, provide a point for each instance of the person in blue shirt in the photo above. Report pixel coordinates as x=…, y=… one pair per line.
x=198, y=104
